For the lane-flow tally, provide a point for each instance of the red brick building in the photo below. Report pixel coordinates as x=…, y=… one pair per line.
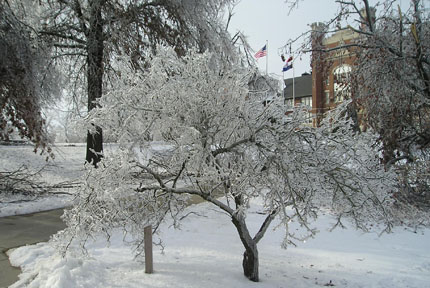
x=330, y=70
x=331, y=64
x=327, y=86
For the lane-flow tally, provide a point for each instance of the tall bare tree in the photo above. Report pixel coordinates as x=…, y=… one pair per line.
x=93, y=35
x=392, y=75
x=390, y=81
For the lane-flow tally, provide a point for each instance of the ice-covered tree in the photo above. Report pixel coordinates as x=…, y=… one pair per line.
x=27, y=82
x=392, y=85
x=91, y=37
x=228, y=149
x=391, y=78
x=390, y=81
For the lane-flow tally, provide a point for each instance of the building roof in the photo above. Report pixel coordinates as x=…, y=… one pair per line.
x=302, y=86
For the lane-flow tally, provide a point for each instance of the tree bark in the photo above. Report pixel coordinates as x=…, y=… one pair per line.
x=250, y=263
x=95, y=77
x=250, y=256
x=94, y=146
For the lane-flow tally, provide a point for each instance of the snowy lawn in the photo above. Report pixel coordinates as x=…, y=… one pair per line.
x=68, y=165
x=206, y=252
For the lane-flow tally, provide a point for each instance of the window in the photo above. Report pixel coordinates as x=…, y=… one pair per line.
x=341, y=87
x=307, y=101
x=327, y=81
x=327, y=96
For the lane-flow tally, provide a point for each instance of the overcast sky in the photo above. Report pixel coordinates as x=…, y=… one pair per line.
x=262, y=20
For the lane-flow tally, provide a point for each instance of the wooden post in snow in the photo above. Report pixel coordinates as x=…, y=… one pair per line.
x=147, y=235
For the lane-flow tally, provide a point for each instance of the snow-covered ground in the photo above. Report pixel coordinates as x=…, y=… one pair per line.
x=67, y=165
x=206, y=252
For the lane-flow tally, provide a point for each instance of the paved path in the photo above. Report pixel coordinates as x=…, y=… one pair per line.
x=21, y=230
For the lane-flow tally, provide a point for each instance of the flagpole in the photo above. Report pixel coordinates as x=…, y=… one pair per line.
x=267, y=57
x=294, y=91
x=283, y=85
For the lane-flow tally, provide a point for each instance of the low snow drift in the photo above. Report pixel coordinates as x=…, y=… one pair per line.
x=205, y=252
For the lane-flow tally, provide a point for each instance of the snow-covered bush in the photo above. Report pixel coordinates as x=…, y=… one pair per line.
x=227, y=149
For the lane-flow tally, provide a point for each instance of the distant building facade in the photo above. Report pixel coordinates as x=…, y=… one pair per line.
x=300, y=92
x=331, y=70
x=333, y=59
x=329, y=83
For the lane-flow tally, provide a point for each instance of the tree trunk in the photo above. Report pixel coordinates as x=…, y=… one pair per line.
x=94, y=146
x=250, y=256
x=95, y=77
x=250, y=263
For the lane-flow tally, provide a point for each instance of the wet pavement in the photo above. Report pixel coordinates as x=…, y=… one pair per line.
x=16, y=231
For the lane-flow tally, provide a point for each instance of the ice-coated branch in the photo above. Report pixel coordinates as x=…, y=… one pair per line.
x=269, y=218
x=202, y=194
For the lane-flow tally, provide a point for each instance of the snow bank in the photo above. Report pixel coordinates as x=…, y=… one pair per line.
x=206, y=252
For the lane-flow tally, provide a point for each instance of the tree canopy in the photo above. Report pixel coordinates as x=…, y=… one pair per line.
x=220, y=143
x=388, y=82
x=91, y=38
x=27, y=82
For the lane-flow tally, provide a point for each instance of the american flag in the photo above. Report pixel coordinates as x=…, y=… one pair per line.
x=261, y=53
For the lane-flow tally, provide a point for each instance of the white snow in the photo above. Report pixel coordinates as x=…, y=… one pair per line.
x=206, y=252
x=68, y=165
